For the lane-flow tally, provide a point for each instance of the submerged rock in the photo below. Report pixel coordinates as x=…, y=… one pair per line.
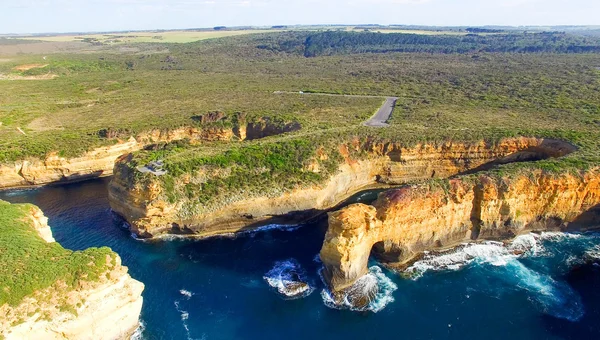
x=289, y=278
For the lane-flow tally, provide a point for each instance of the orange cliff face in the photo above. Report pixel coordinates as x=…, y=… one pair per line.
x=100, y=161
x=367, y=164
x=404, y=222
x=95, y=163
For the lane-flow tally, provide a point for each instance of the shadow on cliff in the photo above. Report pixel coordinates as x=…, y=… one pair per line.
x=589, y=220
x=547, y=149
x=259, y=250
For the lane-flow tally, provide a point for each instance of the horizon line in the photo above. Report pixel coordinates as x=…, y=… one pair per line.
x=251, y=27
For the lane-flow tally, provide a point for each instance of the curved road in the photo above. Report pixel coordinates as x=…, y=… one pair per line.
x=379, y=119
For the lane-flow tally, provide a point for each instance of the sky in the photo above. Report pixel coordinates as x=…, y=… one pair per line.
x=41, y=16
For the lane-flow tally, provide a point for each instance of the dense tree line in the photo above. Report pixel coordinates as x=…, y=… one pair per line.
x=339, y=42
x=482, y=30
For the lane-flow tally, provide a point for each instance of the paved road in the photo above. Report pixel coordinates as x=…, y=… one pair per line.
x=383, y=114
x=379, y=119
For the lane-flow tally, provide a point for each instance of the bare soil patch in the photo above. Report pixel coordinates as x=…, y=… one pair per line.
x=43, y=47
x=47, y=76
x=27, y=67
x=44, y=124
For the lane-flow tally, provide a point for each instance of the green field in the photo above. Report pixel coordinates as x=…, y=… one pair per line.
x=140, y=37
x=136, y=87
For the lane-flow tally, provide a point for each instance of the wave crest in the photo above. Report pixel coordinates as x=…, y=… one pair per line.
x=289, y=279
x=502, y=261
x=375, y=286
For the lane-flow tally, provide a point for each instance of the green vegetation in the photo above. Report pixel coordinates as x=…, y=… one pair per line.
x=30, y=265
x=339, y=42
x=460, y=86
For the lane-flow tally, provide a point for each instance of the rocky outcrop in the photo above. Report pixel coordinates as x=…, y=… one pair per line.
x=39, y=222
x=265, y=128
x=108, y=308
x=404, y=222
x=54, y=168
x=100, y=161
x=367, y=164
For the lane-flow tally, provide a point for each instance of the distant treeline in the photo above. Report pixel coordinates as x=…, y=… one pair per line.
x=483, y=30
x=338, y=42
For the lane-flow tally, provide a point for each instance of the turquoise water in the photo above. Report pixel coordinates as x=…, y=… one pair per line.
x=215, y=289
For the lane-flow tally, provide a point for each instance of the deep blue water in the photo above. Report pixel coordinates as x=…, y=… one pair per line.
x=214, y=289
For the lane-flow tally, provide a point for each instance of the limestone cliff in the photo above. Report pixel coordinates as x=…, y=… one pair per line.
x=366, y=164
x=403, y=222
x=100, y=161
x=108, y=308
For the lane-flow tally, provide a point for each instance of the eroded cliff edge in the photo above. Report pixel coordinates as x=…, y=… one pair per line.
x=48, y=292
x=156, y=205
x=100, y=161
x=404, y=222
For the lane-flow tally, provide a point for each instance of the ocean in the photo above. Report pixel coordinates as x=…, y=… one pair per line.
x=541, y=286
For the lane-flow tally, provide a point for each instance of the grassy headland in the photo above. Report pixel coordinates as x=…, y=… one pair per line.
x=30, y=264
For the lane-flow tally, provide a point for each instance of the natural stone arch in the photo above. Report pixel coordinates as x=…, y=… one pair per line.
x=407, y=221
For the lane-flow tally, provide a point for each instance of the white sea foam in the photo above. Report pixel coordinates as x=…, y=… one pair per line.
x=186, y=293
x=527, y=245
x=317, y=258
x=184, y=317
x=494, y=253
x=172, y=237
x=290, y=279
x=490, y=252
x=558, y=236
x=593, y=253
x=139, y=332
x=254, y=232
x=19, y=192
x=552, y=297
x=281, y=227
x=366, y=284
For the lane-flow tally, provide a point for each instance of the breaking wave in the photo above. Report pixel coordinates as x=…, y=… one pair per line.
x=594, y=253
x=375, y=279
x=503, y=262
x=488, y=252
x=138, y=334
x=289, y=279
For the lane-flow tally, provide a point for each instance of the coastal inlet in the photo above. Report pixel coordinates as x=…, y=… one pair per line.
x=216, y=289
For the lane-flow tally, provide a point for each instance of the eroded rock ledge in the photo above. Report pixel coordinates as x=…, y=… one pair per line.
x=100, y=161
x=366, y=164
x=404, y=222
x=108, y=308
